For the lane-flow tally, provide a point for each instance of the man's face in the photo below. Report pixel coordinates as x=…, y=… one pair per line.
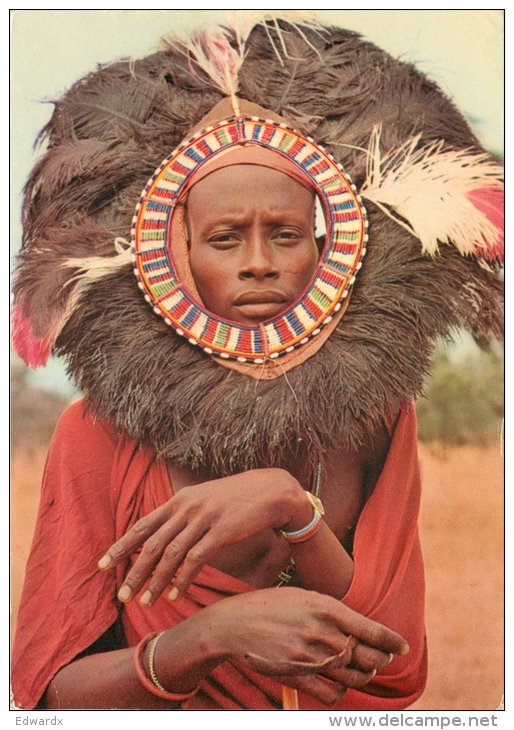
x=251, y=240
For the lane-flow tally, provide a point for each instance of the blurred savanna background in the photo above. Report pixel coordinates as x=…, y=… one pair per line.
x=461, y=414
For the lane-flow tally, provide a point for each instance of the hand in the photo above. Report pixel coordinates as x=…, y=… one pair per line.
x=189, y=529
x=305, y=639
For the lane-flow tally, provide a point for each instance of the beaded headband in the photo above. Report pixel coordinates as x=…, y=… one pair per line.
x=340, y=260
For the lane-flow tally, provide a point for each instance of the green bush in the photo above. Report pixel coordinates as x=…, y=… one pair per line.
x=463, y=401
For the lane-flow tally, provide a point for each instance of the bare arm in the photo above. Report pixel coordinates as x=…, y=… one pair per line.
x=268, y=630
x=109, y=680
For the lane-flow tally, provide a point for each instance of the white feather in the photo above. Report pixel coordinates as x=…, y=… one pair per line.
x=91, y=269
x=215, y=52
x=427, y=187
x=244, y=21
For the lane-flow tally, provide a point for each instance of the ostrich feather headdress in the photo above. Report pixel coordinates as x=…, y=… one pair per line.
x=411, y=169
x=439, y=195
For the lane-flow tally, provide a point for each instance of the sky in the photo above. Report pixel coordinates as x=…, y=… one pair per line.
x=462, y=50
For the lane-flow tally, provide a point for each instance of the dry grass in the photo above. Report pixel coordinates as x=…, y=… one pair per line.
x=462, y=534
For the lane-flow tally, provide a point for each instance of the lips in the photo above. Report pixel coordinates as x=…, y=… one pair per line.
x=256, y=306
x=266, y=296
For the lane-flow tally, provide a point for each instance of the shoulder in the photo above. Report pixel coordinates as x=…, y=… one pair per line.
x=77, y=426
x=82, y=444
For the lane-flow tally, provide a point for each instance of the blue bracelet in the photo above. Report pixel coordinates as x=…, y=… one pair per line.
x=311, y=529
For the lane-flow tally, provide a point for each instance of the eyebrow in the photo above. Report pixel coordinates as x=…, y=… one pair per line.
x=240, y=218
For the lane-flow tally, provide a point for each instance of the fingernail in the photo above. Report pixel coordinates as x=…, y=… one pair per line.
x=104, y=562
x=405, y=649
x=124, y=593
x=373, y=673
x=173, y=594
x=146, y=598
x=391, y=657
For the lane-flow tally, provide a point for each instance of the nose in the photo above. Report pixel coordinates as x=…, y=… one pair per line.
x=258, y=260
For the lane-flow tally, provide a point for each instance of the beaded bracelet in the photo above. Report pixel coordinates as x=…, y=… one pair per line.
x=312, y=528
x=153, y=685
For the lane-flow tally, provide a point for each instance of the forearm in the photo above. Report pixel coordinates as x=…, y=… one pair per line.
x=184, y=656
x=103, y=682
x=323, y=565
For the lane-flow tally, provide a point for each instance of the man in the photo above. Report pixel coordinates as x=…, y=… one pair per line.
x=278, y=386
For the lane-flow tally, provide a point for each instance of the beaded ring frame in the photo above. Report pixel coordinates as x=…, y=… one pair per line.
x=340, y=260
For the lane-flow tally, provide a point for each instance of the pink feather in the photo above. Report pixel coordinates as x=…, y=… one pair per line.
x=489, y=200
x=34, y=350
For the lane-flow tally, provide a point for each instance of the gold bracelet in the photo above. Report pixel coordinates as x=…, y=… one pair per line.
x=153, y=685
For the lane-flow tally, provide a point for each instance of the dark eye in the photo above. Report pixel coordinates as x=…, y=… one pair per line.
x=285, y=236
x=222, y=241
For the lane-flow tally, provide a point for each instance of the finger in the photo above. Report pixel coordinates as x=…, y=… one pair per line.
x=367, y=659
x=171, y=561
x=134, y=538
x=323, y=690
x=197, y=557
x=152, y=552
x=372, y=633
x=351, y=678
x=284, y=666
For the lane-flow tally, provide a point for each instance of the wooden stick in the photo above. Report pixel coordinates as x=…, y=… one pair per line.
x=289, y=698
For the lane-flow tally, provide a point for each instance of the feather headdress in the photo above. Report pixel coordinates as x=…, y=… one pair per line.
x=114, y=128
x=438, y=194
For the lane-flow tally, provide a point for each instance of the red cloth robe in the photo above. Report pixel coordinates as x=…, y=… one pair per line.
x=98, y=482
